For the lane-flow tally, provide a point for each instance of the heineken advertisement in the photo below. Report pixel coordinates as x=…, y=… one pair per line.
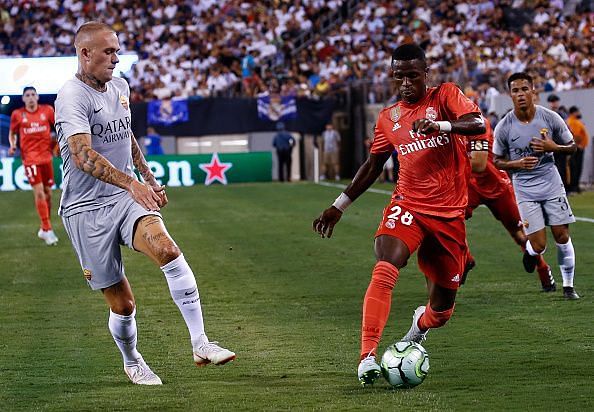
x=169, y=170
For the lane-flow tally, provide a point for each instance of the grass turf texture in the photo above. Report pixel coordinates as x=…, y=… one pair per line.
x=289, y=304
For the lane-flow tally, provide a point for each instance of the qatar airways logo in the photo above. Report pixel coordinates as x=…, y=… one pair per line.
x=421, y=142
x=112, y=131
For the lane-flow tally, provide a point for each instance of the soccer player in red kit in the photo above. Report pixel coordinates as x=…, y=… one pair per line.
x=426, y=211
x=492, y=187
x=32, y=124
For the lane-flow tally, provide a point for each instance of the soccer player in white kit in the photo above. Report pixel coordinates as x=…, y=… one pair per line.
x=525, y=141
x=104, y=206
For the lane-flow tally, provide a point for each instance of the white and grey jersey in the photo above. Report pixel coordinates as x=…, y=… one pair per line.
x=106, y=117
x=512, y=139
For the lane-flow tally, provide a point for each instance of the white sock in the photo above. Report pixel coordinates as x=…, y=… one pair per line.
x=531, y=250
x=566, y=260
x=123, y=330
x=184, y=291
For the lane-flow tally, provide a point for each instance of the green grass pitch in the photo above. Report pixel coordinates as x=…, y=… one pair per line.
x=289, y=304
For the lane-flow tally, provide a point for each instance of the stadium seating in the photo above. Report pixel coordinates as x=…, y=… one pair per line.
x=314, y=47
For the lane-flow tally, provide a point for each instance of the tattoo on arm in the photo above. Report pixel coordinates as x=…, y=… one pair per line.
x=141, y=164
x=91, y=162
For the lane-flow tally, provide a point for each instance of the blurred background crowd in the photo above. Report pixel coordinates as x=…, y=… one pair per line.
x=315, y=48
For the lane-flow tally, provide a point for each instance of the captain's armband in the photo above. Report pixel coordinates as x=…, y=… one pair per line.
x=479, y=146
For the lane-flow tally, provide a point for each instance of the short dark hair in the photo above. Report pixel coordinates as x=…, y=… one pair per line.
x=573, y=109
x=409, y=51
x=553, y=98
x=519, y=76
x=29, y=88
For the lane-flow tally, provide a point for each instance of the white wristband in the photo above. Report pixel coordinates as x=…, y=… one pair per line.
x=342, y=202
x=444, y=126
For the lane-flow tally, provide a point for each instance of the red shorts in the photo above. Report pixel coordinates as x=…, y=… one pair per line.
x=504, y=207
x=441, y=242
x=42, y=173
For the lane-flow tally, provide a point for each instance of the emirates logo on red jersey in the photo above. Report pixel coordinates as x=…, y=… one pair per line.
x=422, y=142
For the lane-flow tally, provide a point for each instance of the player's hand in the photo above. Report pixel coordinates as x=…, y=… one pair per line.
x=11, y=151
x=324, y=225
x=425, y=126
x=529, y=162
x=144, y=195
x=540, y=146
x=160, y=191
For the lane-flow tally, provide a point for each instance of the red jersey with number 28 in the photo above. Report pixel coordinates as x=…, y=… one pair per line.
x=434, y=168
x=34, y=130
x=492, y=182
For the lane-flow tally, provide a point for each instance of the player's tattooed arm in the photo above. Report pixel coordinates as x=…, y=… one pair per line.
x=141, y=164
x=96, y=165
x=146, y=173
x=93, y=163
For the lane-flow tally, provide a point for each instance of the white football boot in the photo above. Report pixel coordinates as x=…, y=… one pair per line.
x=48, y=236
x=414, y=333
x=210, y=352
x=368, y=371
x=141, y=374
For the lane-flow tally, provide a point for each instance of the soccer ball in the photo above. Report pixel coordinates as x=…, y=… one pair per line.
x=405, y=364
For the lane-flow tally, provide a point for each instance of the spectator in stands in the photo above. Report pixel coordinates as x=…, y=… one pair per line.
x=581, y=137
x=331, y=153
x=283, y=142
x=152, y=142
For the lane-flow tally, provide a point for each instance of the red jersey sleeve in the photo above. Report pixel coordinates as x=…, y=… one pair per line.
x=455, y=103
x=381, y=144
x=51, y=116
x=15, y=118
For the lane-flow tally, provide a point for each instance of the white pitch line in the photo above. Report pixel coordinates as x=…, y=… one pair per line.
x=386, y=192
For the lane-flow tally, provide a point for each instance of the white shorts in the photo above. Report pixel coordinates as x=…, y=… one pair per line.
x=551, y=212
x=96, y=236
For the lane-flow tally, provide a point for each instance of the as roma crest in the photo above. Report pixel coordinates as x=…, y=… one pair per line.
x=124, y=101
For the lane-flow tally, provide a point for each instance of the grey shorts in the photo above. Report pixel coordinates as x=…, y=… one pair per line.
x=96, y=236
x=551, y=212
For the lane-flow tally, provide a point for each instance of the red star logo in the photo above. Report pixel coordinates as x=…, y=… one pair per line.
x=215, y=170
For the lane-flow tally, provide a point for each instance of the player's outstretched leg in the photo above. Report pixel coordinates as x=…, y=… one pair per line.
x=184, y=291
x=123, y=330
x=426, y=318
x=376, y=309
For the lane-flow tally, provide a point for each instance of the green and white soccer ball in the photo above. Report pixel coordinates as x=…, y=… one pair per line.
x=405, y=364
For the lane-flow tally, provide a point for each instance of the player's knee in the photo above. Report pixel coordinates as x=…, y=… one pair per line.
x=562, y=237
x=39, y=195
x=124, y=307
x=168, y=253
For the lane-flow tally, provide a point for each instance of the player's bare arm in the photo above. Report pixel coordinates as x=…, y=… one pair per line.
x=145, y=171
x=478, y=160
x=525, y=163
x=93, y=163
x=469, y=124
x=546, y=144
x=12, y=139
x=366, y=175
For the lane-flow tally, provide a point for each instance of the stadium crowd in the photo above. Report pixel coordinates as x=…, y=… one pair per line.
x=206, y=48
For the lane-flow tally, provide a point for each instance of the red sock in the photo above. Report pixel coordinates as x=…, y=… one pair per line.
x=48, y=200
x=43, y=213
x=433, y=319
x=376, y=306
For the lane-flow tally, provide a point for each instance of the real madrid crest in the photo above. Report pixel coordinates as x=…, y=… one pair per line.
x=431, y=113
x=124, y=101
x=395, y=113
